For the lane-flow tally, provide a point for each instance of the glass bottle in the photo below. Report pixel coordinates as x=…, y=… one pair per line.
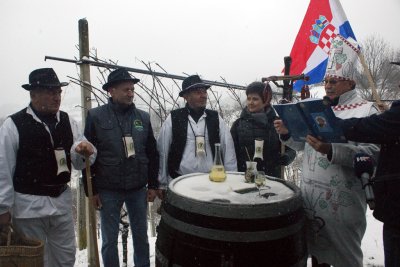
x=217, y=173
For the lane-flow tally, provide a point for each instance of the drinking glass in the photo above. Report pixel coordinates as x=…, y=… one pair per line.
x=251, y=171
x=259, y=181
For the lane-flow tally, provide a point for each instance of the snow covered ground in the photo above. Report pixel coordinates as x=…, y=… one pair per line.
x=372, y=244
x=372, y=247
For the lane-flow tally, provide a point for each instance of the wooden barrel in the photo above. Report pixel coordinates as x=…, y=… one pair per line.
x=228, y=224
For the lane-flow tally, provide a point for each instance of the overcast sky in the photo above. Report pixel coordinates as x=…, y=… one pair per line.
x=239, y=40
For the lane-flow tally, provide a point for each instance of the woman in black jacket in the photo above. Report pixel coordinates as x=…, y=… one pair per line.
x=256, y=122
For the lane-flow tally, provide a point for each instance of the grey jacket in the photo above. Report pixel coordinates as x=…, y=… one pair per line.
x=105, y=127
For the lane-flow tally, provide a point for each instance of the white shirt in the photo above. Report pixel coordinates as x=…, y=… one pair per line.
x=25, y=205
x=190, y=163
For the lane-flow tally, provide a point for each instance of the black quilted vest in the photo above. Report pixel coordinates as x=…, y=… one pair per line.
x=36, y=167
x=180, y=122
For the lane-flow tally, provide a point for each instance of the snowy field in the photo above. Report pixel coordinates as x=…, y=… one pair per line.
x=372, y=247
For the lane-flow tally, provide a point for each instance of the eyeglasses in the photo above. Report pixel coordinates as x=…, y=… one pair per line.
x=331, y=81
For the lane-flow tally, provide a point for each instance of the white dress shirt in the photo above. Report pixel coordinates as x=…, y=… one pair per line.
x=191, y=163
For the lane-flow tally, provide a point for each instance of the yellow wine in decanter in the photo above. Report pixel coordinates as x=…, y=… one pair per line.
x=217, y=173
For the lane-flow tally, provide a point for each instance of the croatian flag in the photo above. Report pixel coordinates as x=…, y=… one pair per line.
x=323, y=21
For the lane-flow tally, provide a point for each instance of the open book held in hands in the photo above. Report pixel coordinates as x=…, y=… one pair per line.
x=310, y=116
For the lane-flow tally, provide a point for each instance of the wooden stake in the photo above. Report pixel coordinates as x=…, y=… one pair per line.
x=81, y=214
x=82, y=204
x=367, y=72
x=92, y=248
x=93, y=251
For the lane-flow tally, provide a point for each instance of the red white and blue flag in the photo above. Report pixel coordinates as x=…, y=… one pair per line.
x=324, y=19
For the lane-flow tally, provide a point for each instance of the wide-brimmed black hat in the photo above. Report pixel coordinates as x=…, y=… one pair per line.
x=396, y=63
x=43, y=78
x=192, y=82
x=117, y=76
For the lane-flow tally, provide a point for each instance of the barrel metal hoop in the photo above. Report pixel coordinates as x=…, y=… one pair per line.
x=229, y=236
x=235, y=211
x=246, y=222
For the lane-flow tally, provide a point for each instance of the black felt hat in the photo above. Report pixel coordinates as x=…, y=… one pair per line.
x=117, y=76
x=192, y=82
x=43, y=78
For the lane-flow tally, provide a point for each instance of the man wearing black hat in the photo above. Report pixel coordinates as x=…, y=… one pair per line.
x=127, y=161
x=187, y=137
x=38, y=145
x=383, y=129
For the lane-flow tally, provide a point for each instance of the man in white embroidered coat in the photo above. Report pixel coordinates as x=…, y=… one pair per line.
x=333, y=196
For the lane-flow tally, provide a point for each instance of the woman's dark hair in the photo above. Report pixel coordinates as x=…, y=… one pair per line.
x=262, y=89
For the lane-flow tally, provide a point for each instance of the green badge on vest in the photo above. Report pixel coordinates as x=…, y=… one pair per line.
x=138, y=125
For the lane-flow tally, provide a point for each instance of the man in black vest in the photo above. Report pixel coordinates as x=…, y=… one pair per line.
x=187, y=137
x=127, y=162
x=38, y=145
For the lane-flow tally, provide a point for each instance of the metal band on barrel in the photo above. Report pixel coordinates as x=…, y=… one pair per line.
x=230, y=236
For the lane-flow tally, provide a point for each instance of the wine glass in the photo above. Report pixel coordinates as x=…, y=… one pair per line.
x=259, y=181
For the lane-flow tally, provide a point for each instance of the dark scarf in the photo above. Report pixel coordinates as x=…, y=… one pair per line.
x=260, y=117
x=195, y=114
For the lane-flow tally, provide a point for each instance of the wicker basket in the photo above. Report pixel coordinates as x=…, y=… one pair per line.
x=19, y=251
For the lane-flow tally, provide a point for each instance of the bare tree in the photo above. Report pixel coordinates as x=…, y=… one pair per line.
x=378, y=55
